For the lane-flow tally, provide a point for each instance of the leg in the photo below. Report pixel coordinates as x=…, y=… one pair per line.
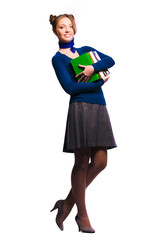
x=98, y=163
x=78, y=178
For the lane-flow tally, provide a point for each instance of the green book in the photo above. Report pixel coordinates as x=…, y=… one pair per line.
x=84, y=59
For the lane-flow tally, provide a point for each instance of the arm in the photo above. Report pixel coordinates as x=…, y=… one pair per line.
x=87, y=73
x=68, y=84
x=103, y=64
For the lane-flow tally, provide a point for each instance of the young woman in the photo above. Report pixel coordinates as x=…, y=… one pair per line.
x=88, y=131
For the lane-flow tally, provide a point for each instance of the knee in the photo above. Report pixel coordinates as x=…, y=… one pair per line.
x=81, y=166
x=99, y=160
x=81, y=160
x=104, y=164
x=100, y=164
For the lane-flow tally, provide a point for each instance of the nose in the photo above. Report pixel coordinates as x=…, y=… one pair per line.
x=67, y=29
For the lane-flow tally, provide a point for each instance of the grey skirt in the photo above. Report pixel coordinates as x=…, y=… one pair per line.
x=88, y=125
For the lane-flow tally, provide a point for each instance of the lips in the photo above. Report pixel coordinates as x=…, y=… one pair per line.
x=67, y=35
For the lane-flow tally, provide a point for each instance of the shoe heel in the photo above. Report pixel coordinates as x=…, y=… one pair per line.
x=76, y=219
x=55, y=207
x=83, y=229
x=59, y=206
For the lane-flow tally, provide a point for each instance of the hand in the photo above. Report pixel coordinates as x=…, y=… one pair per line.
x=106, y=78
x=86, y=74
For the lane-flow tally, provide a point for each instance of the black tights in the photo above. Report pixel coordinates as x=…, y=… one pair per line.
x=83, y=174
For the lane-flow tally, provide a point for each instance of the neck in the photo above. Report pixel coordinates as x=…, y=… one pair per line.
x=67, y=45
x=66, y=50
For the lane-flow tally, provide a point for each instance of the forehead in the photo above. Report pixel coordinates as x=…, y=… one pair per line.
x=64, y=21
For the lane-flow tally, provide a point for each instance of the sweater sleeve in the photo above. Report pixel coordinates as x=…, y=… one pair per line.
x=67, y=82
x=103, y=64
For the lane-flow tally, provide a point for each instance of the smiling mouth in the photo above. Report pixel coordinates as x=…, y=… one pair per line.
x=67, y=35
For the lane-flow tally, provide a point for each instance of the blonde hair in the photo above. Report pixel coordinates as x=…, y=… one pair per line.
x=55, y=19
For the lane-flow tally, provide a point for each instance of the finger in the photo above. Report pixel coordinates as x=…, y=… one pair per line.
x=81, y=78
x=106, y=78
x=78, y=75
x=81, y=66
x=86, y=79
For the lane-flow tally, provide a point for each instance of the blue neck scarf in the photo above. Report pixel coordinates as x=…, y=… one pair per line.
x=68, y=45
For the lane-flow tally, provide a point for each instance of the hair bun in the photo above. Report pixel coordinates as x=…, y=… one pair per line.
x=52, y=19
x=71, y=16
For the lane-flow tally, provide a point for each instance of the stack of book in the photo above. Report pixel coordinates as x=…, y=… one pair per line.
x=88, y=59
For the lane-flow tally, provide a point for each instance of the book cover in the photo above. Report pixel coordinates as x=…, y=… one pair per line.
x=88, y=59
x=83, y=59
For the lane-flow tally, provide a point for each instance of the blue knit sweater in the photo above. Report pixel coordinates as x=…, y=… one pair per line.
x=90, y=92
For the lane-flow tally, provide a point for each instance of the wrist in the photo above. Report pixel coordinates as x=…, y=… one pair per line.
x=92, y=68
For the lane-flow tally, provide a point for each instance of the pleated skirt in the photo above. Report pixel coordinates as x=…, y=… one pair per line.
x=88, y=125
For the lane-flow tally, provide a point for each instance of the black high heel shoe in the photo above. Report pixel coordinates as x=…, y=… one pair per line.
x=83, y=229
x=59, y=205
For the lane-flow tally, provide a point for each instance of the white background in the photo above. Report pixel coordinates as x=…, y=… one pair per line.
x=34, y=172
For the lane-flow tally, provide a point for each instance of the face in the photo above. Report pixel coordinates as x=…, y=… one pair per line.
x=64, y=30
